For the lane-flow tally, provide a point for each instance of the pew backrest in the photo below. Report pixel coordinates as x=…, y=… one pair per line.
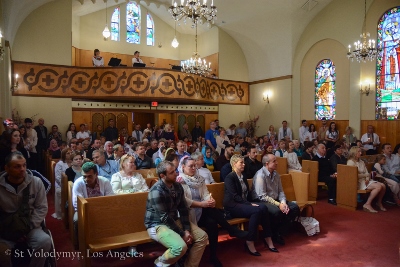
x=216, y=175
x=151, y=181
x=52, y=176
x=217, y=191
x=71, y=212
x=146, y=172
x=282, y=167
x=64, y=199
x=347, y=186
x=311, y=167
x=116, y=215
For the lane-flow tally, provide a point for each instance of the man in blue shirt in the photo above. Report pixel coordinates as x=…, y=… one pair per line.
x=211, y=134
x=105, y=168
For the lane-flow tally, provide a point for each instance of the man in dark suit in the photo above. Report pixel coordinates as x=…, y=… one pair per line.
x=252, y=165
x=41, y=142
x=111, y=133
x=326, y=173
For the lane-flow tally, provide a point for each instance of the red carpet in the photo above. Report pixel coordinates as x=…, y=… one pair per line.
x=347, y=238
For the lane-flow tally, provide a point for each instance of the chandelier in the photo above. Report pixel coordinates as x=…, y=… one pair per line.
x=106, y=31
x=195, y=65
x=198, y=12
x=365, y=49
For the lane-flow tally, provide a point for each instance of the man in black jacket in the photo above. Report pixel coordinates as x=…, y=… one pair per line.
x=326, y=173
x=197, y=132
x=337, y=157
x=252, y=165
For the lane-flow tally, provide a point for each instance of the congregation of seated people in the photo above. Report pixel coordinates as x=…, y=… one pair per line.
x=110, y=161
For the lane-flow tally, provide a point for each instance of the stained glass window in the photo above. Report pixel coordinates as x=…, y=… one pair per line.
x=388, y=65
x=325, y=90
x=150, y=30
x=133, y=23
x=115, y=25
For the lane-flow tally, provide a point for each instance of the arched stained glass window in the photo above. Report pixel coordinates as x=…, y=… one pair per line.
x=388, y=66
x=150, y=30
x=325, y=90
x=115, y=24
x=133, y=23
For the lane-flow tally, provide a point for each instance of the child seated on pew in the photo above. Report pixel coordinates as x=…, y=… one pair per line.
x=380, y=173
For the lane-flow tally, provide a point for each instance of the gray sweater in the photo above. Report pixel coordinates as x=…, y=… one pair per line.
x=10, y=199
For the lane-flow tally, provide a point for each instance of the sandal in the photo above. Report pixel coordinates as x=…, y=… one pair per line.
x=369, y=210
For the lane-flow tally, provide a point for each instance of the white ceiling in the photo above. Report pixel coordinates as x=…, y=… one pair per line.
x=262, y=28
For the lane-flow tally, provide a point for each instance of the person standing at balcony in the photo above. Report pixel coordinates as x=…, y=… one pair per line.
x=136, y=58
x=97, y=60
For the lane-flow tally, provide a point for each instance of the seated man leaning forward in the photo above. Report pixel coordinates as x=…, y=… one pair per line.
x=166, y=198
x=24, y=194
x=268, y=187
x=87, y=186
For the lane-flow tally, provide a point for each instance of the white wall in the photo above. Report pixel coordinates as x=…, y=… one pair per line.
x=45, y=35
x=279, y=107
x=232, y=114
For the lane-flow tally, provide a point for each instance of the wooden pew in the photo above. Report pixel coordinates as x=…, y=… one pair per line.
x=282, y=165
x=71, y=212
x=347, y=187
x=259, y=157
x=145, y=172
x=64, y=199
x=216, y=176
x=217, y=191
x=151, y=181
x=311, y=167
x=296, y=186
x=52, y=176
x=98, y=230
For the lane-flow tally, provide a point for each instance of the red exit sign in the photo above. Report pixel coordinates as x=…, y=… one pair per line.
x=154, y=104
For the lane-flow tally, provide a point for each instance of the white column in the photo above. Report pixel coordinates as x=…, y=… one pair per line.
x=355, y=96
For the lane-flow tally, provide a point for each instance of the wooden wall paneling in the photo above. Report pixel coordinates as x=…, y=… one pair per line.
x=122, y=121
x=142, y=84
x=108, y=116
x=97, y=119
x=73, y=53
x=201, y=119
x=143, y=118
x=209, y=118
x=167, y=117
x=340, y=125
x=79, y=117
x=181, y=122
x=191, y=121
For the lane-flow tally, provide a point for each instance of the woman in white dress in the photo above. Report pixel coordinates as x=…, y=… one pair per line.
x=127, y=180
x=293, y=161
x=364, y=181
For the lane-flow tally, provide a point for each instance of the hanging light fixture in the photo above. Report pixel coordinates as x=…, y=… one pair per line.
x=175, y=42
x=365, y=49
x=106, y=31
x=194, y=10
x=196, y=65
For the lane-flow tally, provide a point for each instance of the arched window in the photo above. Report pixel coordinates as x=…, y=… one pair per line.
x=115, y=25
x=325, y=90
x=133, y=23
x=388, y=66
x=150, y=30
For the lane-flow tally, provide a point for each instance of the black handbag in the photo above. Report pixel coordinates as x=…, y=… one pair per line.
x=17, y=224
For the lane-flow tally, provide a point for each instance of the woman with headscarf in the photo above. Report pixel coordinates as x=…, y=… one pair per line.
x=54, y=150
x=202, y=206
x=208, y=159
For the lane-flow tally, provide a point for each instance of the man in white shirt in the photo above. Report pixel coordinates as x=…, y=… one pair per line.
x=285, y=131
x=392, y=165
x=137, y=133
x=370, y=140
x=136, y=58
x=303, y=131
x=82, y=135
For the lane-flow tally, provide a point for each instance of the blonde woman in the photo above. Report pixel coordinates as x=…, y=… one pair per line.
x=222, y=140
x=292, y=158
x=364, y=181
x=127, y=180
